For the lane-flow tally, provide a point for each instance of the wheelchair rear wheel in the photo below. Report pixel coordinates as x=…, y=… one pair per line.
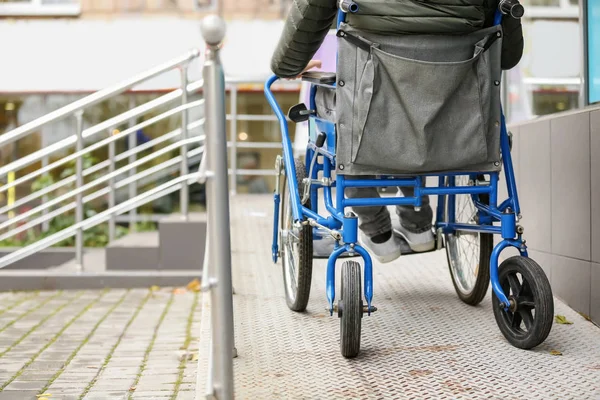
x=297, y=249
x=528, y=320
x=350, y=307
x=468, y=253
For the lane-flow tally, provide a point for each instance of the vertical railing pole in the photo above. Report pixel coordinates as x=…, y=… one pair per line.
x=219, y=253
x=233, y=126
x=112, y=226
x=79, y=196
x=45, y=224
x=132, y=141
x=184, y=194
x=45, y=162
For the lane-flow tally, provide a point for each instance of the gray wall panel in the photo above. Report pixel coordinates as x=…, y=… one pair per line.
x=545, y=261
x=571, y=282
x=595, y=293
x=595, y=183
x=534, y=186
x=570, y=185
x=559, y=189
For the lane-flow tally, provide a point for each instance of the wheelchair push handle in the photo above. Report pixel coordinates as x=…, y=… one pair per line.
x=512, y=8
x=347, y=6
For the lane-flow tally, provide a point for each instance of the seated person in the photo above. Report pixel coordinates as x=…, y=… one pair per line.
x=308, y=23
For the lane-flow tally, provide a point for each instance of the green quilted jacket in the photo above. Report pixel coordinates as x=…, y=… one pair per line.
x=309, y=21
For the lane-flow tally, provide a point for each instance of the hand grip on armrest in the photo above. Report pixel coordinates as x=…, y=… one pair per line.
x=348, y=6
x=323, y=78
x=512, y=8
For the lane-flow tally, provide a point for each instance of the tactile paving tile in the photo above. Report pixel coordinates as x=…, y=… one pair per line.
x=423, y=343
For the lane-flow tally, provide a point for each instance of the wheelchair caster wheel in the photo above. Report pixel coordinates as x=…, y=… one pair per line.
x=350, y=309
x=528, y=320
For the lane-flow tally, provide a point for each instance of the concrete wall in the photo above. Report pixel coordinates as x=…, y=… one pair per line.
x=557, y=163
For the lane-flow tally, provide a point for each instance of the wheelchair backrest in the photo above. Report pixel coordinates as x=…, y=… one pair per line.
x=418, y=103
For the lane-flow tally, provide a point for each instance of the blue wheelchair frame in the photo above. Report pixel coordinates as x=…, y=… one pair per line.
x=506, y=213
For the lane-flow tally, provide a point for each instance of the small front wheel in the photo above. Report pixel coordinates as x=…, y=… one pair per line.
x=350, y=309
x=528, y=320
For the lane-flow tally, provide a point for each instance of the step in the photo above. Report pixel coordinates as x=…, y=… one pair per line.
x=182, y=241
x=136, y=251
x=93, y=276
x=44, y=259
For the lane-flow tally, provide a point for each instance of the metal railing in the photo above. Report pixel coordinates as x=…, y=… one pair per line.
x=216, y=274
x=78, y=192
x=71, y=193
x=113, y=183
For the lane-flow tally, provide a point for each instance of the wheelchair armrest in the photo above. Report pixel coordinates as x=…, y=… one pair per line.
x=319, y=78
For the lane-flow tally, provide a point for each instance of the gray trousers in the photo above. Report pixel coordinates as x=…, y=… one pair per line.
x=376, y=220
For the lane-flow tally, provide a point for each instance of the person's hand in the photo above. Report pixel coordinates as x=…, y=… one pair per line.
x=311, y=64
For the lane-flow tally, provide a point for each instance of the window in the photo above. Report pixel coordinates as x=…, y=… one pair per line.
x=39, y=7
x=551, y=8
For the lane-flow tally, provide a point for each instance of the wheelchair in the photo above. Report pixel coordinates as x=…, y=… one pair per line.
x=391, y=124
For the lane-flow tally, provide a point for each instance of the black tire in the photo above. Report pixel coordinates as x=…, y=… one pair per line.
x=473, y=288
x=350, y=309
x=533, y=293
x=296, y=277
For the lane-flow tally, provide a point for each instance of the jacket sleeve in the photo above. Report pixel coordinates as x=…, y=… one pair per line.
x=305, y=29
x=512, y=45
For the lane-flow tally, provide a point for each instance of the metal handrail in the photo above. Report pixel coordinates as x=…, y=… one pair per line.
x=150, y=195
x=104, y=128
x=98, y=167
x=76, y=110
x=96, y=98
x=97, y=194
x=101, y=165
x=97, y=145
x=213, y=170
x=96, y=182
x=101, y=127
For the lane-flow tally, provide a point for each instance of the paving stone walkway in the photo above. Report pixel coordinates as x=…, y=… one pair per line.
x=99, y=344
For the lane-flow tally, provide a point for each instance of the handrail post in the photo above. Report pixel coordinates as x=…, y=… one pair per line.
x=45, y=162
x=185, y=192
x=234, y=119
x=219, y=252
x=112, y=226
x=132, y=141
x=79, y=196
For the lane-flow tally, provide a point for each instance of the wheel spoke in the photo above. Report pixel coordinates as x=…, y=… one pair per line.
x=526, y=302
x=527, y=318
x=464, y=248
x=525, y=289
x=515, y=286
x=516, y=320
x=465, y=244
